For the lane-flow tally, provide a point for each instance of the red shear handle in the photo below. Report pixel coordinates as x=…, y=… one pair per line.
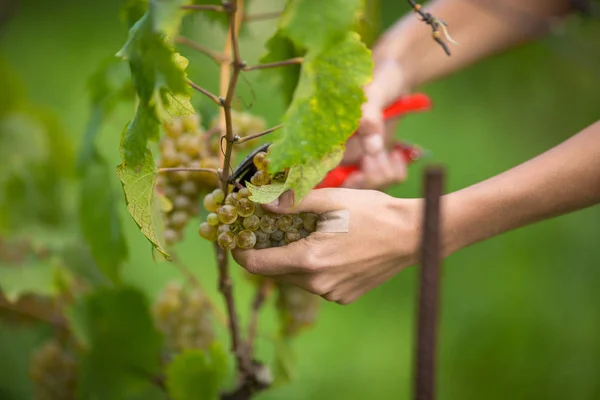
x=404, y=105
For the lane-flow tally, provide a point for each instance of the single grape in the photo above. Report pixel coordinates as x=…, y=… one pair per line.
x=292, y=235
x=210, y=204
x=212, y=219
x=226, y=240
x=260, y=178
x=251, y=222
x=190, y=123
x=260, y=161
x=277, y=235
x=310, y=221
x=230, y=200
x=259, y=211
x=171, y=236
x=182, y=202
x=262, y=245
x=298, y=221
x=207, y=231
x=170, y=191
x=170, y=158
x=227, y=214
x=218, y=196
x=179, y=218
x=223, y=228
x=285, y=222
x=304, y=233
x=244, y=192
x=262, y=236
x=246, y=239
x=245, y=207
x=173, y=128
x=193, y=146
x=268, y=224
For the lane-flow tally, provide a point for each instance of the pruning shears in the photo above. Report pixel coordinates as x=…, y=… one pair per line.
x=337, y=176
x=411, y=153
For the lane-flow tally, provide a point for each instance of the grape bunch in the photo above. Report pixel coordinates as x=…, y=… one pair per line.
x=185, y=145
x=53, y=370
x=184, y=316
x=244, y=124
x=298, y=309
x=236, y=221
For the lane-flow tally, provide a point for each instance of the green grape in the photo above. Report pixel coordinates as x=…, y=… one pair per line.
x=53, y=371
x=285, y=222
x=227, y=214
x=304, y=233
x=292, y=235
x=262, y=236
x=243, y=193
x=182, y=202
x=246, y=239
x=227, y=240
x=260, y=161
x=223, y=228
x=171, y=236
x=170, y=191
x=179, y=218
x=210, y=204
x=189, y=188
x=218, y=195
x=260, y=178
x=207, y=231
x=278, y=243
x=310, y=221
x=298, y=221
x=173, y=128
x=277, y=235
x=268, y=224
x=170, y=158
x=190, y=123
x=193, y=146
x=230, y=200
x=262, y=245
x=245, y=207
x=212, y=219
x=251, y=222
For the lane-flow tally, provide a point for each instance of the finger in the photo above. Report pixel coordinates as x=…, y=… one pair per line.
x=378, y=170
x=273, y=261
x=371, y=122
x=399, y=166
x=355, y=180
x=318, y=201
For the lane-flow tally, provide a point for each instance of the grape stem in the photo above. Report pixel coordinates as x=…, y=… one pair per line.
x=262, y=16
x=433, y=22
x=259, y=299
x=215, y=55
x=204, y=7
x=291, y=61
x=239, y=140
x=216, y=99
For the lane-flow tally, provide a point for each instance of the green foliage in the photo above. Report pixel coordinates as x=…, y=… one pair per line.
x=138, y=184
x=32, y=277
x=121, y=347
x=196, y=374
x=326, y=106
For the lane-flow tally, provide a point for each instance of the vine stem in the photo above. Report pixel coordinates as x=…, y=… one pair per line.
x=291, y=61
x=257, y=135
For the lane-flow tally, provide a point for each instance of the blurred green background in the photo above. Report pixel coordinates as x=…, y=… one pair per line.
x=520, y=312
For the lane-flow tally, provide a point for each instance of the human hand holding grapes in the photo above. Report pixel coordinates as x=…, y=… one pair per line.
x=382, y=239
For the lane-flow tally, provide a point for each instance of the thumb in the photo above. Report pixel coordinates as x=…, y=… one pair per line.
x=318, y=201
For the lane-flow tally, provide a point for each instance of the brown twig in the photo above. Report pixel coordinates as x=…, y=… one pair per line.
x=428, y=301
x=256, y=135
x=216, y=99
x=215, y=55
x=204, y=7
x=262, y=16
x=54, y=319
x=432, y=21
x=291, y=61
x=259, y=299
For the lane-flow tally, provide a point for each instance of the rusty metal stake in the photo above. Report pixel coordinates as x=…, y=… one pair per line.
x=428, y=295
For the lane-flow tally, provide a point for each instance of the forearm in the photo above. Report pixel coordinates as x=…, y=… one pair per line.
x=481, y=27
x=561, y=180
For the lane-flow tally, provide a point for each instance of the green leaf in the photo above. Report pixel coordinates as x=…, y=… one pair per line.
x=167, y=15
x=132, y=11
x=301, y=178
x=326, y=106
x=99, y=218
x=284, y=361
x=138, y=184
x=316, y=24
x=281, y=48
x=267, y=193
x=121, y=347
x=195, y=374
x=33, y=277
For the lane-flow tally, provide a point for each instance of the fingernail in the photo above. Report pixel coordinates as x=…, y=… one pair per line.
x=286, y=200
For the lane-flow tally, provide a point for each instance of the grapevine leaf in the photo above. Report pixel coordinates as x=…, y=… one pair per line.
x=121, y=347
x=267, y=193
x=327, y=104
x=132, y=11
x=281, y=48
x=167, y=15
x=303, y=178
x=138, y=184
x=195, y=374
x=33, y=277
x=316, y=24
x=284, y=361
x=99, y=219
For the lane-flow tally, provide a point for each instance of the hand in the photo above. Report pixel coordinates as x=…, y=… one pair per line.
x=383, y=239
x=370, y=147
